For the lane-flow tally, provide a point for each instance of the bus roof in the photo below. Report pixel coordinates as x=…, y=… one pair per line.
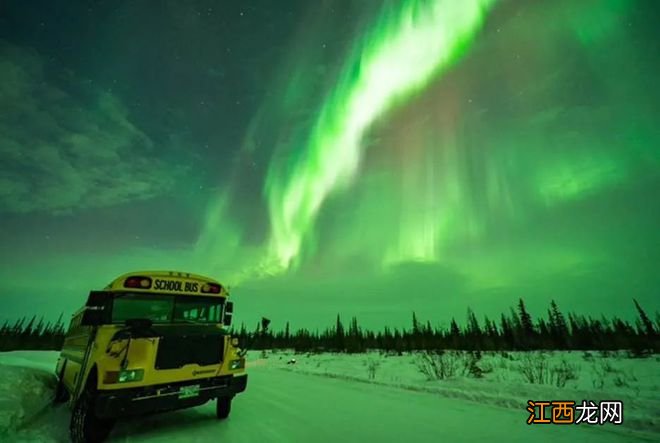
x=173, y=282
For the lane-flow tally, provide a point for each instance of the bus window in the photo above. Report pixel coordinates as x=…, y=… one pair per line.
x=199, y=309
x=157, y=308
x=165, y=308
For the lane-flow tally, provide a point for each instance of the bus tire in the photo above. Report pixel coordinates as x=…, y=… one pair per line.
x=223, y=407
x=85, y=426
x=61, y=394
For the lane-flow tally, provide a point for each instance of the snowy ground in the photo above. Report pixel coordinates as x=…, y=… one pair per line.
x=599, y=376
x=364, y=397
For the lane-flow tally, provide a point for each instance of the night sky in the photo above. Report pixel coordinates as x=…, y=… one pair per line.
x=319, y=157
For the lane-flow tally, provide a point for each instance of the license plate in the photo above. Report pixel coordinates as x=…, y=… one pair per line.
x=189, y=391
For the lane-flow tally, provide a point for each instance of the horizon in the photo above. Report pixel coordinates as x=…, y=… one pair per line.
x=279, y=324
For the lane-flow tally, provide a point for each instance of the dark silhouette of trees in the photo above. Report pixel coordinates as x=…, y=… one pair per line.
x=35, y=335
x=515, y=331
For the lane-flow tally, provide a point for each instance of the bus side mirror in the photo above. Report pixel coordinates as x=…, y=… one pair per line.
x=95, y=309
x=229, y=312
x=93, y=316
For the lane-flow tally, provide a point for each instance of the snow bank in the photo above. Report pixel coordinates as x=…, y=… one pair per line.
x=598, y=377
x=27, y=384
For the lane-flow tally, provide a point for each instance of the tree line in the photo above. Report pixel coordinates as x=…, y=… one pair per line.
x=512, y=331
x=32, y=334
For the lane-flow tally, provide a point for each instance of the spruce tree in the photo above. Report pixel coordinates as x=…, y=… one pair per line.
x=454, y=338
x=507, y=338
x=339, y=335
x=415, y=324
x=646, y=322
x=558, y=327
x=527, y=334
x=474, y=335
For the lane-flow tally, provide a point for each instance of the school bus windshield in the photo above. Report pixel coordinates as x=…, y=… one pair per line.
x=165, y=308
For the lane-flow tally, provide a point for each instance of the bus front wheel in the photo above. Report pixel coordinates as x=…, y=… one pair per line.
x=85, y=426
x=223, y=407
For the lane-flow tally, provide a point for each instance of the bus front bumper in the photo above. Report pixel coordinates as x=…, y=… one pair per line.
x=169, y=397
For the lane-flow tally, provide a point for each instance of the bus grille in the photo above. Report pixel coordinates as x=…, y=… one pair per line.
x=177, y=351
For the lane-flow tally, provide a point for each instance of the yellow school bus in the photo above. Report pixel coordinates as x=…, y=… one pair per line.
x=150, y=341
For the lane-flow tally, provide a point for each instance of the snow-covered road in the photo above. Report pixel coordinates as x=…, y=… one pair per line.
x=282, y=406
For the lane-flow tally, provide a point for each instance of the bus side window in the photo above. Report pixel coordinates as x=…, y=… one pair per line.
x=75, y=323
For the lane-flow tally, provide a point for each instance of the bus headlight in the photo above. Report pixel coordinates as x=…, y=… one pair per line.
x=237, y=364
x=124, y=376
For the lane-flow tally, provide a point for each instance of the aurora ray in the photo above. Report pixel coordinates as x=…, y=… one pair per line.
x=407, y=47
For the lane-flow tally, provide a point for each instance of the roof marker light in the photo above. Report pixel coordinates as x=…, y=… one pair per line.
x=211, y=288
x=138, y=282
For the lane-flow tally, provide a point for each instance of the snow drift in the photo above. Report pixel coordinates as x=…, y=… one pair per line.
x=27, y=385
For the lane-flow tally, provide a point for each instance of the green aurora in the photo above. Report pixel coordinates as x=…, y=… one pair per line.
x=407, y=46
x=437, y=155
